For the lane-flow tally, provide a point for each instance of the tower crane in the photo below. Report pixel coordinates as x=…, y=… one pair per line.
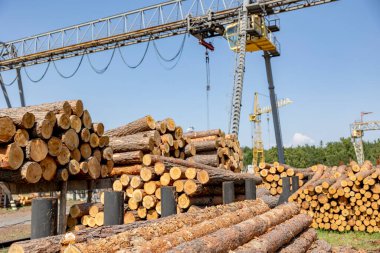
x=357, y=132
x=257, y=141
x=246, y=24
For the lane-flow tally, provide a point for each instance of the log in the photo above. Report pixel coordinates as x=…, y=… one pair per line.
x=63, y=121
x=151, y=187
x=76, y=123
x=161, y=126
x=36, y=150
x=217, y=175
x=211, y=160
x=301, y=243
x=7, y=129
x=107, y=153
x=278, y=236
x=85, y=135
x=177, y=172
x=130, y=217
x=99, y=219
x=229, y=238
x=62, y=174
x=185, y=201
x=54, y=146
x=147, y=174
x=138, y=195
x=64, y=155
x=70, y=139
x=73, y=167
x=170, y=124
x=22, y=119
x=144, y=124
x=149, y=201
x=131, y=143
x=166, y=242
x=76, y=155
x=320, y=246
x=49, y=168
x=86, y=119
x=93, y=167
x=98, y=128
x=202, y=146
x=43, y=129
x=11, y=157
x=79, y=210
x=21, y=137
x=190, y=150
x=104, y=141
x=128, y=158
x=200, y=134
x=94, y=140
x=109, y=238
x=30, y=172
x=131, y=170
x=191, y=173
x=85, y=150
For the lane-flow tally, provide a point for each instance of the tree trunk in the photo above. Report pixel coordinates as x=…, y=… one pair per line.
x=128, y=158
x=211, y=160
x=278, y=236
x=144, y=124
x=30, y=172
x=131, y=143
x=301, y=243
x=231, y=237
x=21, y=137
x=93, y=167
x=86, y=119
x=200, y=134
x=131, y=170
x=11, y=157
x=70, y=139
x=49, y=168
x=78, y=210
x=185, y=201
x=21, y=119
x=320, y=246
x=7, y=129
x=36, y=150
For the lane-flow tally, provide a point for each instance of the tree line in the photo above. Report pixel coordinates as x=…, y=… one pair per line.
x=331, y=154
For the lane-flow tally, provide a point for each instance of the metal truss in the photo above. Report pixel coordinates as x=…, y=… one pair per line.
x=365, y=126
x=153, y=22
x=278, y=6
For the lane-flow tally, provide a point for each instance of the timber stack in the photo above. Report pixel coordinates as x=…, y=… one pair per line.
x=52, y=142
x=342, y=198
x=272, y=175
x=245, y=226
x=217, y=149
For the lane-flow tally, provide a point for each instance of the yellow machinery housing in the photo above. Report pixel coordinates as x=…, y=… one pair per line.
x=259, y=37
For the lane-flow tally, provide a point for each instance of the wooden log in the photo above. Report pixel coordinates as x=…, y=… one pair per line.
x=200, y=134
x=98, y=128
x=136, y=182
x=143, y=124
x=138, y=195
x=93, y=167
x=130, y=217
x=131, y=170
x=147, y=174
x=70, y=139
x=170, y=124
x=79, y=210
x=94, y=140
x=49, y=168
x=75, y=123
x=95, y=209
x=7, y=129
x=62, y=174
x=320, y=246
x=167, y=138
x=86, y=119
x=64, y=155
x=184, y=201
x=104, y=141
x=177, y=172
x=43, y=129
x=36, y=150
x=211, y=160
x=191, y=173
x=54, y=146
x=151, y=187
x=85, y=135
x=149, y=201
x=190, y=150
x=132, y=143
x=301, y=243
x=85, y=150
x=152, y=215
x=73, y=167
x=107, y=153
x=179, y=185
x=165, y=179
x=11, y=157
x=21, y=137
x=76, y=155
x=278, y=236
x=239, y=233
x=217, y=175
x=166, y=242
x=125, y=179
x=30, y=172
x=99, y=219
x=22, y=119
x=117, y=186
x=128, y=158
x=101, y=240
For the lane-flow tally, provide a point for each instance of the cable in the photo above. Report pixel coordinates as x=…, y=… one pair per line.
x=208, y=86
x=175, y=56
x=75, y=71
x=9, y=84
x=179, y=54
x=43, y=75
x=101, y=71
x=141, y=60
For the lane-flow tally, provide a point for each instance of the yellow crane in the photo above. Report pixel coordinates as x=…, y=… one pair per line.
x=257, y=141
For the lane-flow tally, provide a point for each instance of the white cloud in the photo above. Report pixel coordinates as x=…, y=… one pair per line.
x=301, y=139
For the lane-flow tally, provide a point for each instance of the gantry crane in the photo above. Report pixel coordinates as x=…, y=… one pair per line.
x=257, y=141
x=357, y=132
x=201, y=18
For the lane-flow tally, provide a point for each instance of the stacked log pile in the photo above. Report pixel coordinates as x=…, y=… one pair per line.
x=342, y=198
x=246, y=226
x=215, y=148
x=85, y=215
x=272, y=175
x=52, y=142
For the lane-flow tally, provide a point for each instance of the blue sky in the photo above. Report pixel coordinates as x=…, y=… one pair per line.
x=329, y=67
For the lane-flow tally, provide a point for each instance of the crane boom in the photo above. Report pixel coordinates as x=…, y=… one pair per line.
x=149, y=23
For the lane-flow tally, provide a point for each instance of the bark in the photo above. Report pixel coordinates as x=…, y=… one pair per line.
x=278, y=236
x=30, y=172
x=229, y=238
x=211, y=160
x=320, y=246
x=131, y=170
x=11, y=157
x=128, y=235
x=200, y=134
x=144, y=124
x=131, y=143
x=166, y=242
x=185, y=201
x=128, y=158
x=270, y=200
x=301, y=243
x=203, y=146
x=21, y=119
x=7, y=129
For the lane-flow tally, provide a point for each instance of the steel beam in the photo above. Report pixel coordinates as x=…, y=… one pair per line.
x=5, y=93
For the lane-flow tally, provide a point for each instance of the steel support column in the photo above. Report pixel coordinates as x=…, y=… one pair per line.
x=273, y=102
x=4, y=89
